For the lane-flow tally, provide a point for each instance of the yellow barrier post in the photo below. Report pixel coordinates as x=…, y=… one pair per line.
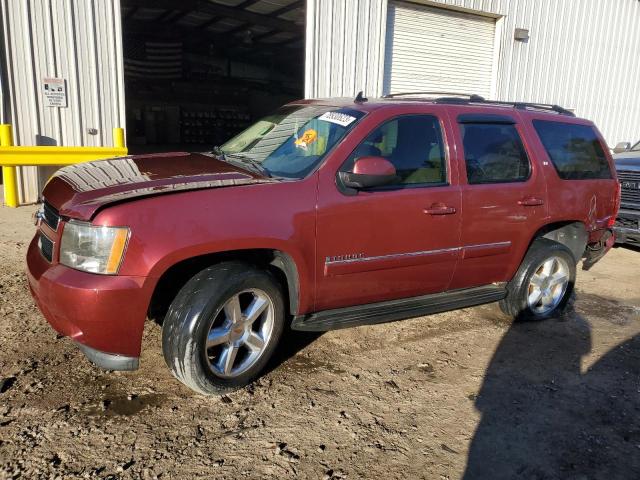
x=118, y=137
x=9, y=174
x=39, y=156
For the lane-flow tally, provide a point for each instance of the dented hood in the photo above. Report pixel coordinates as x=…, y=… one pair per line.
x=78, y=191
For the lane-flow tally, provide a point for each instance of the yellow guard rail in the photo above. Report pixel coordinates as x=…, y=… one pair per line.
x=12, y=157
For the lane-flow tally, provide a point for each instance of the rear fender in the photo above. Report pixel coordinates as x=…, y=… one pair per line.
x=574, y=236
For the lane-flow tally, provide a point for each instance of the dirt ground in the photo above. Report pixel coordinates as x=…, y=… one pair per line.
x=465, y=394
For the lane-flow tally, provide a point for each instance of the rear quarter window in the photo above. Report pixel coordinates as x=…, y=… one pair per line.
x=574, y=150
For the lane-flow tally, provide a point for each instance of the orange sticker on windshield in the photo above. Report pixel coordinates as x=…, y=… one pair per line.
x=307, y=138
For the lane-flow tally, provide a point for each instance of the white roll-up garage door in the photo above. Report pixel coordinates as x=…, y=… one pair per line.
x=434, y=49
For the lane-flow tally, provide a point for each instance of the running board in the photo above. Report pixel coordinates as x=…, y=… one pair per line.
x=393, y=310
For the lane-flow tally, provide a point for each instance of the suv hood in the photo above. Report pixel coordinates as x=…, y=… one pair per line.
x=628, y=161
x=78, y=191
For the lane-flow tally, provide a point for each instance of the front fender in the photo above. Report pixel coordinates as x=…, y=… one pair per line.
x=169, y=229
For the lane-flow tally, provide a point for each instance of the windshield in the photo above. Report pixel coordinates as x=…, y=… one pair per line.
x=293, y=141
x=636, y=147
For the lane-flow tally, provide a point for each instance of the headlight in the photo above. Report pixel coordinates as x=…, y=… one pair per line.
x=94, y=249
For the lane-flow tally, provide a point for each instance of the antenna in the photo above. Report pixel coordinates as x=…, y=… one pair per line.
x=360, y=98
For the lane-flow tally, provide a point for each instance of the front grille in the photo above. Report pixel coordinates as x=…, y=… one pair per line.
x=630, y=195
x=627, y=175
x=46, y=247
x=50, y=216
x=628, y=223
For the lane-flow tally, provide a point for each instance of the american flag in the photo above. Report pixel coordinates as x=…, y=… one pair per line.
x=153, y=59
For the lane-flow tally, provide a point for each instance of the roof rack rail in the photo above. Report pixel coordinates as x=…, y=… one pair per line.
x=517, y=105
x=465, y=98
x=471, y=96
x=543, y=106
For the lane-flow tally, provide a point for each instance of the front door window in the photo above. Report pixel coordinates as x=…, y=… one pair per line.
x=413, y=144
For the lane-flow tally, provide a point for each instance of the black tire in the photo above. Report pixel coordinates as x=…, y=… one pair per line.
x=192, y=314
x=516, y=303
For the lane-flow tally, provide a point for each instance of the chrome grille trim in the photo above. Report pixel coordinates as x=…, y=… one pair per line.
x=46, y=247
x=626, y=175
x=629, y=196
x=50, y=216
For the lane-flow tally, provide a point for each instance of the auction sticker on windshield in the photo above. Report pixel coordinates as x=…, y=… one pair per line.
x=306, y=139
x=338, y=118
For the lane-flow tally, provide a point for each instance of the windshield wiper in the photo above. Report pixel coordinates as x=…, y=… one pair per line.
x=217, y=151
x=246, y=160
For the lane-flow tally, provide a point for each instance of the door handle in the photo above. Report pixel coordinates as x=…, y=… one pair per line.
x=439, y=209
x=531, y=202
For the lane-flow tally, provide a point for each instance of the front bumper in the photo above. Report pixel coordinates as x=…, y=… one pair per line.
x=109, y=361
x=104, y=314
x=627, y=227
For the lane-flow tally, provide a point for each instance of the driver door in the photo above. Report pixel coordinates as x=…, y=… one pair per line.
x=400, y=240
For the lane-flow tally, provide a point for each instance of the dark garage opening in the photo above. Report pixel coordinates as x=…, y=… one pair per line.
x=198, y=72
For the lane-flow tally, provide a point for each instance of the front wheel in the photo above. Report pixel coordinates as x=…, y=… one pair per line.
x=223, y=327
x=543, y=284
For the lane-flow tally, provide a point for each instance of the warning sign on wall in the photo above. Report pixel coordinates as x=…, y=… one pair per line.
x=55, y=92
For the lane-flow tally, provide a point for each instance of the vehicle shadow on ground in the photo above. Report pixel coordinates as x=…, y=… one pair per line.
x=290, y=344
x=543, y=418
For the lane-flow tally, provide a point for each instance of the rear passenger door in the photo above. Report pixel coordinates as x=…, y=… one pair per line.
x=503, y=197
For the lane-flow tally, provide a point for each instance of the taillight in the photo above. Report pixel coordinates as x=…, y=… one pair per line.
x=616, y=206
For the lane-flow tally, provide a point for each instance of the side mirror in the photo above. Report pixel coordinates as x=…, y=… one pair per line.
x=369, y=172
x=622, y=147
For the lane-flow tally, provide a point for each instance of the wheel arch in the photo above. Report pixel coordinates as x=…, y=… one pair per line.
x=570, y=233
x=281, y=264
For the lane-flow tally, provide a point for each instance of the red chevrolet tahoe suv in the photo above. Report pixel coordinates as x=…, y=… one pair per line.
x=326, y=214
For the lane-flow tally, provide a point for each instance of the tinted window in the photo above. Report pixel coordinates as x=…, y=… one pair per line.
x=574, y=150
x=494, y=153
x=414, y=145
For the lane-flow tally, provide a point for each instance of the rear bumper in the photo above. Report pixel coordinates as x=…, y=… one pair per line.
x=104, y=314
x=598, y=249
x=627, y=226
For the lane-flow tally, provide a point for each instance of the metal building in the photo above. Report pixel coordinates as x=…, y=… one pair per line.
x=581, y=54
x=188, y=74
x=78, y=41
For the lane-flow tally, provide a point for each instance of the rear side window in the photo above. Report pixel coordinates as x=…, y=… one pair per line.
x=494, y=153
x=575, y=150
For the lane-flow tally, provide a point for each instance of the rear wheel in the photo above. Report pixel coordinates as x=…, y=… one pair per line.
x=223, y=327
x=543, y=284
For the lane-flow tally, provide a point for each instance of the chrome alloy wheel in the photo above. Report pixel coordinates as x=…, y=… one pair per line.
x=548, y=285
x=240, y=333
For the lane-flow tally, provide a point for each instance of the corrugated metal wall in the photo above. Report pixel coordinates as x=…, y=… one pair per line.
x=345, y=47
x=3, y=84
x=582, y=54
x=80, y=41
